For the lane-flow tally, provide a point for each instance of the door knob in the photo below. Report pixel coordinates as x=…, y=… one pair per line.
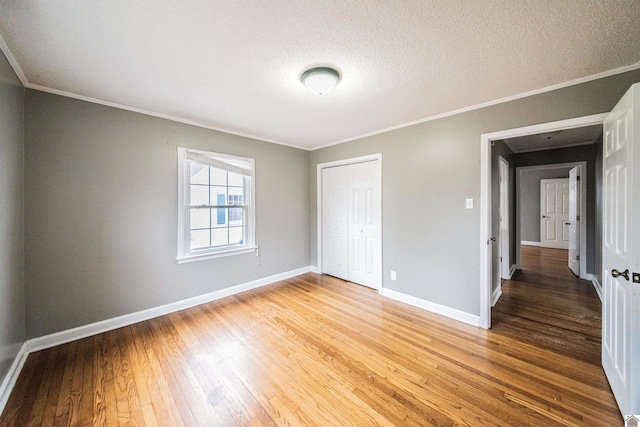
x=544, y=216
x=615, y=273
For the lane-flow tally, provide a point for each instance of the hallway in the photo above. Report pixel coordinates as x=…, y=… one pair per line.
x=544, y=304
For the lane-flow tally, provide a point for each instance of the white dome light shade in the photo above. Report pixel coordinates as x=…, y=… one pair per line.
x=320, y=80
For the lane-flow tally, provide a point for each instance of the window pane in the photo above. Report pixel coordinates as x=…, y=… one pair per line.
x=200, y=218
x=200, y=239
x=236, y=235
x=218, y=177
x=236, y=194
x=236, y=216
x=199, y=173
x=235, y=180
x=218, y=195
x=208, y=230
x=219, y=236
x=199, y=195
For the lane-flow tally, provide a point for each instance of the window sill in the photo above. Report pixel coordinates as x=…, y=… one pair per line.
x=212, y=255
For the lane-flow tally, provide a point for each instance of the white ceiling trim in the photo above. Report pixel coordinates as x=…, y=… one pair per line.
x=12, y=61
x=18, y=70
x=491, y=103
x=156, y=114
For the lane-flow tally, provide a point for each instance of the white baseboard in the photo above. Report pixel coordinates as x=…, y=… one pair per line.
x=528, y=243
x=512, y=270
x=80, y=332
x=432, y=307
x=587, y=276
x=12, y=376
x=316, y=270
x=496, y=295
x=597, y=286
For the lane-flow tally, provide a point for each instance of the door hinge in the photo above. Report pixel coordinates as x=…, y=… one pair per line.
x=578, y=258
x=578, y=218
x=500, y=259
x=578, y=178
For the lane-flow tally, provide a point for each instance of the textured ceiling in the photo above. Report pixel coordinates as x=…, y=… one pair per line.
x=558, y=139
x=235, y=65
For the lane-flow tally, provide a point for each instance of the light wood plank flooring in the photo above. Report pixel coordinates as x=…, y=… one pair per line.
x=309, y=351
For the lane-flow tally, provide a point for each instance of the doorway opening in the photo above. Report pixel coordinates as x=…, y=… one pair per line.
x=487, y=199
x=530, y=210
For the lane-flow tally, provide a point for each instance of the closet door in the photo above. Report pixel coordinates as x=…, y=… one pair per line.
x=334, y=222
x=364, y=218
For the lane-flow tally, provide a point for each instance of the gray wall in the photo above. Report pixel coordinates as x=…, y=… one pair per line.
x=428, y=169
x=529, y=196
x=584, y=153
x=101, y=215
x=500, y=149
x=12, y=308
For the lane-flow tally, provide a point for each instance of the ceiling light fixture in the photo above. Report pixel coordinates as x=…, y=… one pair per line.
x=320, y=80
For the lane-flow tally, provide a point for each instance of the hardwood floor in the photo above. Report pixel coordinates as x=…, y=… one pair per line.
x=312, y=350
x=547, y=306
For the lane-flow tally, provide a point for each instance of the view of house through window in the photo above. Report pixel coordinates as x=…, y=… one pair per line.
x=213, y=192
x=217, y=210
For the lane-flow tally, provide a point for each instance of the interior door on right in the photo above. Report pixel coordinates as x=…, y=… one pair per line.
x=574, y=220
x=621, y=252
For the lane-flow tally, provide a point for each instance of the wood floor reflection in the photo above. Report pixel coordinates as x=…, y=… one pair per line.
x=318, y=351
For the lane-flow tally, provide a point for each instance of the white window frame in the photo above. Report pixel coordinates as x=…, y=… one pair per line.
x=230, y=163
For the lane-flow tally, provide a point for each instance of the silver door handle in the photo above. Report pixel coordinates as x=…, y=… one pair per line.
x=615, y=273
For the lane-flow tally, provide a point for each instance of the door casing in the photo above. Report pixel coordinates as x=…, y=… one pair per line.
x=583, y=208
x=576, y=219
x=486, y=196
x=372, y=157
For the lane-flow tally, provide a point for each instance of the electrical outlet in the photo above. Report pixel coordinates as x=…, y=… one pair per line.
x=393, y=275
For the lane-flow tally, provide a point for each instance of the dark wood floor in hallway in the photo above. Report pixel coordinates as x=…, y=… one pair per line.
x=317, y=351
x=547, y=306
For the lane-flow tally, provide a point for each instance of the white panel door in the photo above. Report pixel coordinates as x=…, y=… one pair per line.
x=364, y=224
x=335, y=222
x=554, y=213
x=574, y=220
x=621, y=252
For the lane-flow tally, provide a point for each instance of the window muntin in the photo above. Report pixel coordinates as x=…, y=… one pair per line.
x=216, y=212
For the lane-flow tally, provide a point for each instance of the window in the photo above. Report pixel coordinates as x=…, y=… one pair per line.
x=215, y=205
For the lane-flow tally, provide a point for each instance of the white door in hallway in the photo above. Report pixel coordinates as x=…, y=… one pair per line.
x=554, y=213
x=352, y=223
x=574, y=220
x=621, y=252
